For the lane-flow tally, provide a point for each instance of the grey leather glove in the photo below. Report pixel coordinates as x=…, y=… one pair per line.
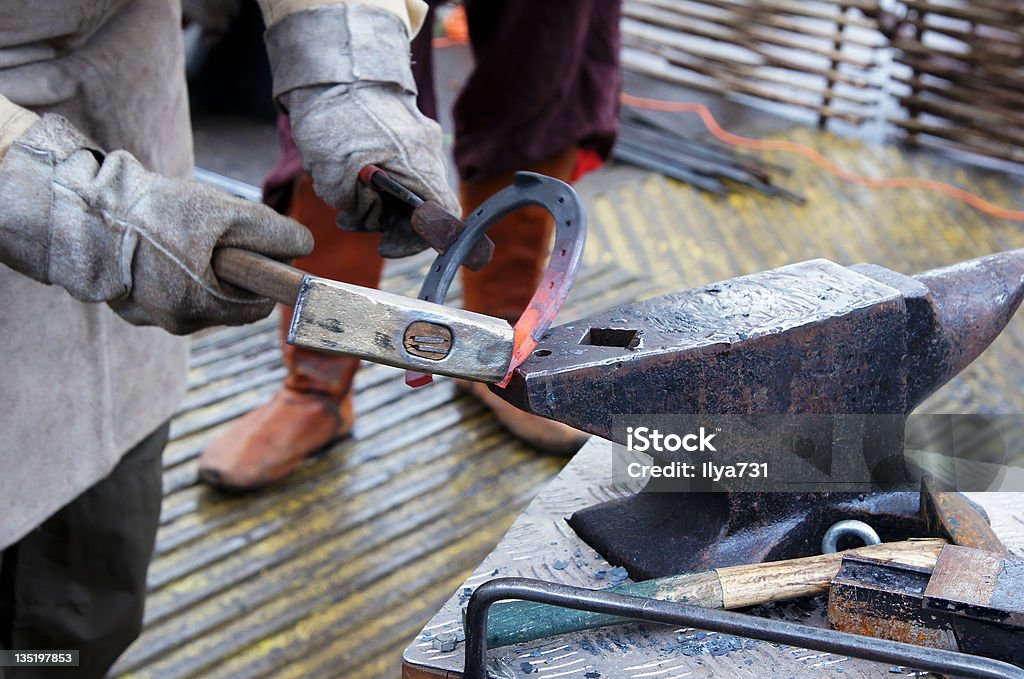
x=107, y=230
x=343, y=74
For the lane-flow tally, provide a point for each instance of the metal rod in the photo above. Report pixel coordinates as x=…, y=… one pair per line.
x=700, y=181
x=372, y=175
x=628, y=142
x=702, y=145
x=669, y=148
x=674, y=613
x=233, y=186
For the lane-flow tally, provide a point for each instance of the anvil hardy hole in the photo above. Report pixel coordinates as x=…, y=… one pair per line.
x=542, y=352
x=612, y=337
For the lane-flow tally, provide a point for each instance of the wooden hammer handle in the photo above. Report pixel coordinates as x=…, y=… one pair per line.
x=731, y=587
x=256, y=273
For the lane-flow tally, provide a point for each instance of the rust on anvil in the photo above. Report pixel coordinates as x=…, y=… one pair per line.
x=813, y=337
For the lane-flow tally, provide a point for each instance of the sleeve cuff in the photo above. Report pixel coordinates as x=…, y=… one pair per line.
x=338, y=44
x=411, y=12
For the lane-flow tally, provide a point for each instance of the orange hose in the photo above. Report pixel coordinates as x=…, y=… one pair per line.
x=714, y=128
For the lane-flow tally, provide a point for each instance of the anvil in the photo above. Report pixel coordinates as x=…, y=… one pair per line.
x=808, y=338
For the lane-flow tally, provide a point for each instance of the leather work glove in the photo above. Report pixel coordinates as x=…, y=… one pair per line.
x=343, y=74
x=107, y=230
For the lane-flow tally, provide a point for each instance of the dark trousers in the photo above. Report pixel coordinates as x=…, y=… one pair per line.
x=78, y=581
x=546, y=77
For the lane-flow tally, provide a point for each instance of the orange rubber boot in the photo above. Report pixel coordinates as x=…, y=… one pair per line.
x=314, y=406
x=504, y=287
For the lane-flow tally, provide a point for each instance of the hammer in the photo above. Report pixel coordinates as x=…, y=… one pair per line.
x=972, y=600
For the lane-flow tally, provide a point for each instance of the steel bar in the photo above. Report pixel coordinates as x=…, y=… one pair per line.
x=724, y=622
x=662, y=158
x=708, y=147
x=692, y=153
x=644, y=143
x=703, y=182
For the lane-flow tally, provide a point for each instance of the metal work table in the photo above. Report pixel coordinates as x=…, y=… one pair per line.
x=541, y=545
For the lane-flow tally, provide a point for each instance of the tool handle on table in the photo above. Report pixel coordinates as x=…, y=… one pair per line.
x=730, y=587
x=256, y=273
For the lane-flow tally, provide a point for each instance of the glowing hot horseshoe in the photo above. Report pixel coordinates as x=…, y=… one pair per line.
x=528, y=188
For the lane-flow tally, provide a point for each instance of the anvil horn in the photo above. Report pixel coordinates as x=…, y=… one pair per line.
x=967, y=306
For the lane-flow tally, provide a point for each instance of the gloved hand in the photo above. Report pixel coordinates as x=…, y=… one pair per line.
x=343, y=74
x=107, y=230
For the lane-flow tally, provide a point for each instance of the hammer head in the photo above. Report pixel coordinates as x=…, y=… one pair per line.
x=952, y=516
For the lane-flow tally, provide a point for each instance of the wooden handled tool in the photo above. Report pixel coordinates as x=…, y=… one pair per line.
x=256, y=273
x=375, y=325
x=728, y=588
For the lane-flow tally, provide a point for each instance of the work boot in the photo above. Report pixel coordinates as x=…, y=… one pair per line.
x=504, y=287
x=314, y=406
